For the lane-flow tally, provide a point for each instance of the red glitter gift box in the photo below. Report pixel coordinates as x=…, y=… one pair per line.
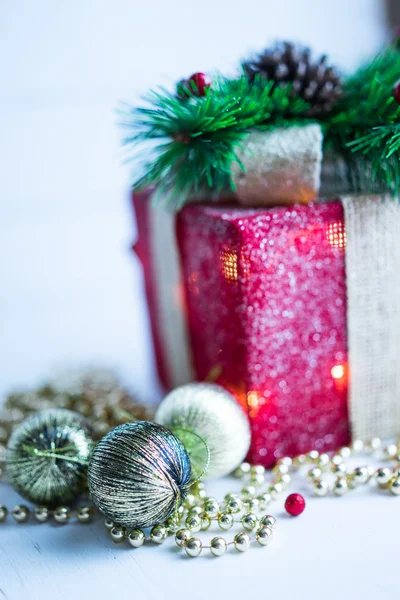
x=264, y=305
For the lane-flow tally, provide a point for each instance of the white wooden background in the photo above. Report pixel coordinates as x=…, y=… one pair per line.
x=71, y=292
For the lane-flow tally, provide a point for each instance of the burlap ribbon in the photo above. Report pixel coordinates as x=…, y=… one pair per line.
x=373, y=314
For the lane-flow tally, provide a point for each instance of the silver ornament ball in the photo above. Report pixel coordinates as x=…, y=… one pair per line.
x=47, y=456
x=213, y=414
x=138, y=474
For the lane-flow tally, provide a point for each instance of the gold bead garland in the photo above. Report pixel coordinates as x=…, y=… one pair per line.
x=62, y=514
x=326, y=473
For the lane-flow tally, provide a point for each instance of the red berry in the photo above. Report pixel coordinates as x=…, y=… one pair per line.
x=396, y=92
x=295, y=504
x=199, y=83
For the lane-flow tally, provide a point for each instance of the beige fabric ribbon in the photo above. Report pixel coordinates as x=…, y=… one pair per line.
x=282, y=166
x=373, y=314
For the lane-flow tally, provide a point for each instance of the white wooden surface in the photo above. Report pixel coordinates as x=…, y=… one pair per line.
x=338, y=548
x=71, y=291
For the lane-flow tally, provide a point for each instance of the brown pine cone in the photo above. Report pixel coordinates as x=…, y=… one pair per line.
x=313, y=80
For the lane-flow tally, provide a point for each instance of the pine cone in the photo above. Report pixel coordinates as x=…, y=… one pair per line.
x=312, y=80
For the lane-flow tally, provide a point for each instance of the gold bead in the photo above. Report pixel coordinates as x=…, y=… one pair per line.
x=249, y=521
x=275, y=489
x=158, y=534
x=268, y=521
x=323, y=460
x=62, y=514
x=314, y=473
x=285, y=460
x=390, y=451
x=280, y=469
x=321, y=488
x=351, y=481
x=193, y=522
x=41, y=513
x=195, y=510
x=3, y=513
x=225, y=521
x=218, y=546
x=264, y=535
x=211, y=508
x=231, y=495
x=340, y=486
x=395, y=486
x=313, y=456
x=357, y=446
x=361, y=475
x=84, y=514
x=340, y=469
x=173, y=524
x=248, y=491
x=190, y=500
x=251, y=504
x=21, y=513
x=242, y=541
x=117, y=534
x=375, y=444
x=299, y=460
x=284, y=480
x=264, y=499
x=205, y=522
x=193, y=547
x=383, y=476
x=234, y=505
x=345, y=452
x=336, y=459
x=109, y=524
x=257, y=469
x=257, y=478
x=136, y=538
x=182, y=536
x=242, y=470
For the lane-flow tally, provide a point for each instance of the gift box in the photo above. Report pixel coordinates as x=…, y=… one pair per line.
x=258, y=299
x=263, y=299
x=288, y=292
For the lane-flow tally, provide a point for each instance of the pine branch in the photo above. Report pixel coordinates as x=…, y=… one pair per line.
x=198, y=137
x=365, y=125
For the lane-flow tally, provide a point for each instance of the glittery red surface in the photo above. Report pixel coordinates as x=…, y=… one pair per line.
x=266, y=304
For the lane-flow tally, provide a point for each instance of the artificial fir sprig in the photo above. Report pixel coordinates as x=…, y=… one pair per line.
x=199, y=136
x=196, y=136
x=364, y=127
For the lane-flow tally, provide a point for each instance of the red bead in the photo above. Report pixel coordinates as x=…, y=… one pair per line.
x=396, y=92
x=199, y=83
x=295, y=504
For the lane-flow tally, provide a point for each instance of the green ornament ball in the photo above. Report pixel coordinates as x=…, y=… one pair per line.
x=47, y=456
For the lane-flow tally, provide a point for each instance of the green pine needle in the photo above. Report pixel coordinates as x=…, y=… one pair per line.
x=365, y=125
x=195, y=139
x=198, y=137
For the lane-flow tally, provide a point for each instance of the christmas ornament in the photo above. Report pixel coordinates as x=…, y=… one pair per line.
x=396, y=92
x=213, y=414
x=314, y=80
x=196, y=85
x=200, y=83
x=295, y=504
x=139, y=474
x=47, y=456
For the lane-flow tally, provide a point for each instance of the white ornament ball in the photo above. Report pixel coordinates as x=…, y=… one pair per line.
x=213, y=414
